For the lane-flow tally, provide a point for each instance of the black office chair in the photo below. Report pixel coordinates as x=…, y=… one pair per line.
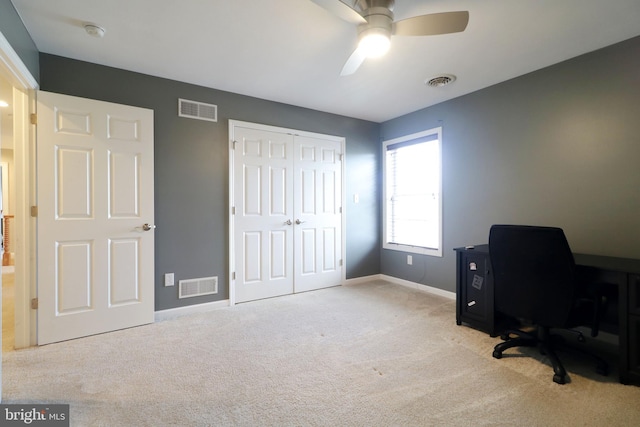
x=535, y=282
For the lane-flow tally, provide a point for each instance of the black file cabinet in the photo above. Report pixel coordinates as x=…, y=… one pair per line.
x=474, y=289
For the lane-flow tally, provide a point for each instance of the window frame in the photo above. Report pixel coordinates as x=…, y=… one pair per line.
x=428, y=135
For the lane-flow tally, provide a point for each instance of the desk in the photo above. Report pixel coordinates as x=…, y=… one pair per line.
x=474, y=298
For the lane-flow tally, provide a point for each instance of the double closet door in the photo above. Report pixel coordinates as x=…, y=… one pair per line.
x=286, y=211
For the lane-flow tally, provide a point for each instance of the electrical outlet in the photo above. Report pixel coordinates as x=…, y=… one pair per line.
x=169, y=279
x=409, y=260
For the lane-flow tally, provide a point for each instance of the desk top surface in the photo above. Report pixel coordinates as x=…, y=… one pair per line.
x=625, y=265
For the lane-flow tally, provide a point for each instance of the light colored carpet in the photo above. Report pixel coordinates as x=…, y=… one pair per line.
x=374, y=354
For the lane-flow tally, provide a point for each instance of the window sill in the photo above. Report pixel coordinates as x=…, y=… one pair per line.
x=414, y=249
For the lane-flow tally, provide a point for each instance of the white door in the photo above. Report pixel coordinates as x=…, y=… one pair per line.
x=318, y=213
x=95, y=217
x=286, y=211
x=263, y=220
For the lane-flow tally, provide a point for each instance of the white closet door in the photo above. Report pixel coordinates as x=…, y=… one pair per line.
x=286, y=221
x=318, y=217
x=263, y=227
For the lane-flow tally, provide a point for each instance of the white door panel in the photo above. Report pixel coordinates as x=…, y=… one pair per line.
x=287, y=226
x=318, y=217
x=95, y=192
x=262, y=235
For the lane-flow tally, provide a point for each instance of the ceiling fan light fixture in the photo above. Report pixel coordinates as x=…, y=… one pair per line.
x=374, y=44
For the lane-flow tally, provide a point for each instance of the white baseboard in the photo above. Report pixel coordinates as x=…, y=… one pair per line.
x=419, y=287
x=173, y=313
x=402, y=282
x=359, y=280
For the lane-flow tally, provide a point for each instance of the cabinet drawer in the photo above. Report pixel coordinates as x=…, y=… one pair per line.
x=476, y=294
x=475, y=285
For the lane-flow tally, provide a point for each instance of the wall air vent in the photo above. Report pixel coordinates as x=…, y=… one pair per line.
x=197, y=110
x=197, y=287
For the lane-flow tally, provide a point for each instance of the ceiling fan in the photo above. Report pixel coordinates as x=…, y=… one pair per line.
x=376, y=26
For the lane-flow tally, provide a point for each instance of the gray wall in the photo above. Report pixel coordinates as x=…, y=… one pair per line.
x=14, y=31
x=558, y=147
x=191, y=168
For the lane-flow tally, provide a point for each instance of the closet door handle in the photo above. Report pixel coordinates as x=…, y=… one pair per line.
x=299, y=222
x=288, y=222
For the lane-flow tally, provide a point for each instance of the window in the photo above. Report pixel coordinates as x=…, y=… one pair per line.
x=412, y=193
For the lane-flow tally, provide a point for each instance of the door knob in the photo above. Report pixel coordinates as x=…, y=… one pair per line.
x=288, y=222
x=299, y=222
x=147, y=227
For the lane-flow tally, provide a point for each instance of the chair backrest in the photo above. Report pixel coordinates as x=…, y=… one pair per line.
x=533, y=273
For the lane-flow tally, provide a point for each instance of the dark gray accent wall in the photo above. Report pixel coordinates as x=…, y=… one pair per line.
x=558, y=147
x=191, y=168
x=15, y=32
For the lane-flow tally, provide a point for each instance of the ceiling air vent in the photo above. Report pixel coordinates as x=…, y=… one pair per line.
x=440, y=81
x=197, y=110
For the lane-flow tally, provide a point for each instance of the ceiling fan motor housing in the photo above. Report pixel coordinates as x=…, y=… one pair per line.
x=363, y=5
x=379, y=24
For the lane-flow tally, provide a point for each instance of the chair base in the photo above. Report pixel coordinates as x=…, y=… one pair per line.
x=544, y=340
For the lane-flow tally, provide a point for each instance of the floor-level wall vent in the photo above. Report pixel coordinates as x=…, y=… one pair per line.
x=197, y=287
x=197, y=110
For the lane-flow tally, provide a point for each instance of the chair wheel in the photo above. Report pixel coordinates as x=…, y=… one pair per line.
x=497, y=354
x=505, y=337
x=559, y=379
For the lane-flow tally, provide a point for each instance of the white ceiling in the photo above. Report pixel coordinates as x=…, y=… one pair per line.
x=292, y=51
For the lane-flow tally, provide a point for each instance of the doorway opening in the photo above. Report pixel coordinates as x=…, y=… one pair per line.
x=7, y=216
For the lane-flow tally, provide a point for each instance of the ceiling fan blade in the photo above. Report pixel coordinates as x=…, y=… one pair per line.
x=433, y=24
x=353, y=63
x=341, y=10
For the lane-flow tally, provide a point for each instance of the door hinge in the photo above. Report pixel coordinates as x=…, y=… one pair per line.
x=233, y=144
x=340, y=263
x=34, y=211
x=34, y=304
x=233, y=210
x=233, y=276
x=33, y=118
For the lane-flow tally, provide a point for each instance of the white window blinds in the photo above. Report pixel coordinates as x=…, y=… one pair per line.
x=413, y=193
